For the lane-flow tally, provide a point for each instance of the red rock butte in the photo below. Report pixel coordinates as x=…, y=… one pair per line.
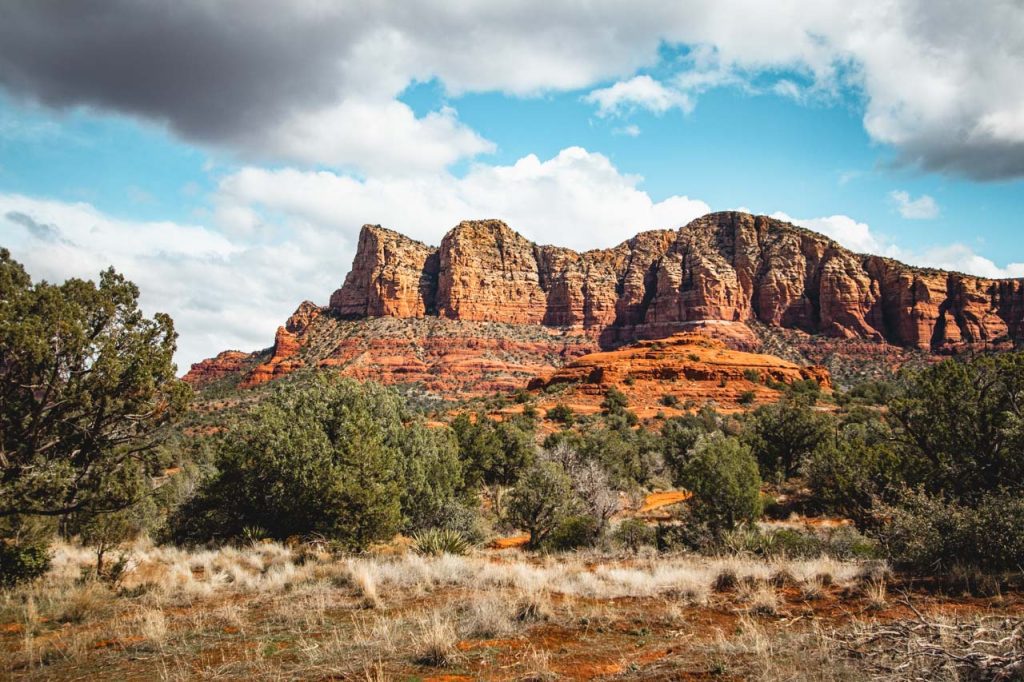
x=733, y=268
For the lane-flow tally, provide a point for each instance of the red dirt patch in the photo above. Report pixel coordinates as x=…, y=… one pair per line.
x=660, y=499
x=512, y=542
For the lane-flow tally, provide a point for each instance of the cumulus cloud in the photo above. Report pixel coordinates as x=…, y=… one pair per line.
x=206, y=282
x=858, y=236
x=577, y=199
x=643, y=92
x=277, y=237
x=922, y=208
x=940, y=81
x=962, y=258
x=852, y=234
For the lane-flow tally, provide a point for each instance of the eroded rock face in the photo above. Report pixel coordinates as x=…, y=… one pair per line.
x=722, y=274
x=391, y=276
x=288, y=341
x=228, y=363
x=723, y=266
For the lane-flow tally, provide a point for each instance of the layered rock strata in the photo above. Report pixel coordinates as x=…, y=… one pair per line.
x=722, y=273
x=689, y=367
x=724, y=266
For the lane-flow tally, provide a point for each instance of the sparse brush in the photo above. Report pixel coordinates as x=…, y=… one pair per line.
x=375, y=672
x=875, y=593
x=437, y=541
x=366, y=583
x=761, y=599
x=812, y=589
x=538, y=666
x=149, y=624
x=783, y=578
x=436, y=641
x=533, y=607
x=725, y=580
x=486, y=617
x=88, y=600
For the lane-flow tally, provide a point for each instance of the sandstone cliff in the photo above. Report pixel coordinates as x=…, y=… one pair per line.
x=727, y=274
x=724, y=266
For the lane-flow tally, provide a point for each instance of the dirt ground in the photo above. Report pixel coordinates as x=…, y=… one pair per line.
x=271, y=612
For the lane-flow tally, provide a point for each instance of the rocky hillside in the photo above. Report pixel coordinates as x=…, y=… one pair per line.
x=673, y=374
x=753, y=272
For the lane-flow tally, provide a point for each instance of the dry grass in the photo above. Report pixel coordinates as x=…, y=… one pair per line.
x=261, y=612
x=487, y=617
x=875, y=593
x=436, y=642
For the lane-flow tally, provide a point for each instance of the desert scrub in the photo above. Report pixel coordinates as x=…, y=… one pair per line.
x=435, y=541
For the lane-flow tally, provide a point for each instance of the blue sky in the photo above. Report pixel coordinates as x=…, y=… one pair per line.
x=226, y=157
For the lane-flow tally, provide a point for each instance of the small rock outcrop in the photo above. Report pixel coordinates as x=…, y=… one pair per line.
x=225, y=364
x=687, y=366
x=288, y=341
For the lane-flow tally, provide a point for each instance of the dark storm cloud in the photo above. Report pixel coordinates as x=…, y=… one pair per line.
x=214, y=71
x=276, y=78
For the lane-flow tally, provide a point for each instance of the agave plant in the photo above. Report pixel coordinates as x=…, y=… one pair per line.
x=437, y=541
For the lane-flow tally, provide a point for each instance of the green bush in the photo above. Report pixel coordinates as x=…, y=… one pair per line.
x=783, y=435
x=541, y=501
x=723, y=477
x=329, y=456
x=24, y=548
x=574, y=532
x=840, y=543
x=747, y=398
x=632, y=534
x=561, y=413
x=927, y=534
x=669, y=400
x=615, y=402
x=847, y=474
x=464, y=518
x=961, y=425
x=630, y=456
x=493, y=453
x=22, y=561
x=804, y=390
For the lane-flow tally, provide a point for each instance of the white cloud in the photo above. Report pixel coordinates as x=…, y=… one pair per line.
x=961, y=258
x=922, y=208
x=576, y=199
x=852, y=234
x=631, y=130
x=639, y=92
x=380, y=137
x=859, y=237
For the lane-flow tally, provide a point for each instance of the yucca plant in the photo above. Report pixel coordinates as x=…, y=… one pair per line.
x=437, y=541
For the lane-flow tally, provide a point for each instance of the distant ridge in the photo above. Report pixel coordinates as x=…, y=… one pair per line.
x=735, y=270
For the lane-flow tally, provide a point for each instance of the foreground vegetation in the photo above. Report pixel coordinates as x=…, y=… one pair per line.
x=267, y=611
x=333, y=528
